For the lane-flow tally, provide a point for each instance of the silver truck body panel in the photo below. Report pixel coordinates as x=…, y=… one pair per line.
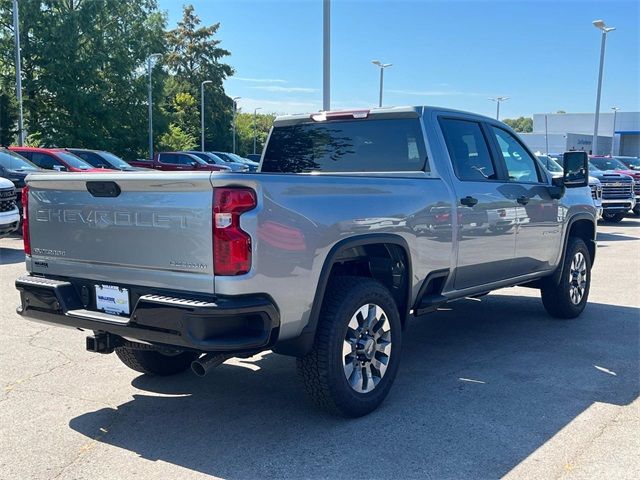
x=156, y=233
x=297, y=221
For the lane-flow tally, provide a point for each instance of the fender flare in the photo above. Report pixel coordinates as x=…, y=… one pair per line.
x=557, y=275
x=301, y=345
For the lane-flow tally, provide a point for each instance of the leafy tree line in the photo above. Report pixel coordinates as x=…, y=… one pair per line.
x=84, y=77
x=520, y=124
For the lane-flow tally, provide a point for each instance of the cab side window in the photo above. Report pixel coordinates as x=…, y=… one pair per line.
x=169, y=158
x=44, y=161
x=521, y=166
x=468, y=150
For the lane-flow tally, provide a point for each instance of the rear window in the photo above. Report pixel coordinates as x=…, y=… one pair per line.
x=388, y=145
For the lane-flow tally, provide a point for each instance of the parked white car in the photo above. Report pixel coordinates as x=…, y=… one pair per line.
x=9, y=214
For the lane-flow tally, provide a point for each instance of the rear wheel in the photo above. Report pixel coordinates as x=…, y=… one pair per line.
x=568, y=297
x=612, y=217
x=155, y=362
x=356, y=353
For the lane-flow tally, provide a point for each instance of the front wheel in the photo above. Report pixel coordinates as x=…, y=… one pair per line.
x=636, y=210
x=355, y=357
x=612, y=217
x=568, y=297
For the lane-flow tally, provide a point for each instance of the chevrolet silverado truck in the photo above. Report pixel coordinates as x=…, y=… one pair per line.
x=356, y=222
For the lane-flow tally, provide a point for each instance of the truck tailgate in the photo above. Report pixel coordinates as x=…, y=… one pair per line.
x=148, y=229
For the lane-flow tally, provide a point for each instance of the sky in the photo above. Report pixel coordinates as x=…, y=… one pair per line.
x=542, y=54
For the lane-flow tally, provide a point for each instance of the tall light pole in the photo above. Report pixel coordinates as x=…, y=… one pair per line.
x=149, y=66
x=498, y=100
x=326, y=55
x=546, y=136
x=16, y=31
x=602, y=26
x=382, y=67
x=255, y=111
x=613, y=129
x=235, y=99
x=202, y=113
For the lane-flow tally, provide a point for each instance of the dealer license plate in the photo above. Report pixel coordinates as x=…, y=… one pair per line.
x=112, y=299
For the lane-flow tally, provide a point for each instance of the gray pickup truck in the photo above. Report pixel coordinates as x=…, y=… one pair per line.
x=356, y=221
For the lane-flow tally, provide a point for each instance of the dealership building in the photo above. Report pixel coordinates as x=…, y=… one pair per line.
x=574, y=131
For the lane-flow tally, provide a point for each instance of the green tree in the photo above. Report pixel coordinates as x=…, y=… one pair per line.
x=520, y=124
x=244, y=131
x=176, y=139
x=83, y=69
x=195, y=55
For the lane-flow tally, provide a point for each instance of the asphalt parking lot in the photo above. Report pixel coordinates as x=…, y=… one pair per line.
x=487, y=389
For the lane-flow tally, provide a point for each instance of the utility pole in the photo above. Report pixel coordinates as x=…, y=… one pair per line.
x=149, y=69
x=202, y=113
x=16, y=31
x=613, y=132
x=498, y=100
x=326, y=55
x=546, y=136
x=255, y=110
x=235, y=109
x=382, y=67
x=602, y=26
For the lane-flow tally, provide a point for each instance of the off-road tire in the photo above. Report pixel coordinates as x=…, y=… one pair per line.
x=153, y=362
x=322, y=370
x=556, y=296
x=612, y=217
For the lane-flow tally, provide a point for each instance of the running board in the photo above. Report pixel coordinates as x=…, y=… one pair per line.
x=429, y=303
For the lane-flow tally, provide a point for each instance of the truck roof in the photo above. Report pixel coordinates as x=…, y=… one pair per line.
x=384, y=112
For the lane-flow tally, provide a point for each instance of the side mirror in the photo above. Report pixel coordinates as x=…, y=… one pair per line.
x=60, y=168
x=194, y=164
x=576, y=169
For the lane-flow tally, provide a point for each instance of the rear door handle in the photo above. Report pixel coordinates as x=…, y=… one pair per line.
x=522, y=200
x=469, y=201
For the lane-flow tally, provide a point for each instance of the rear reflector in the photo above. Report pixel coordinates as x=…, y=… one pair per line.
x=231, y=244
x=26, y=239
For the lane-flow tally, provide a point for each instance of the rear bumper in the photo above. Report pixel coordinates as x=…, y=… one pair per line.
x=215, y=324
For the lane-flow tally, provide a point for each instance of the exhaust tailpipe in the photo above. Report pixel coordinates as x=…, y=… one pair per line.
x=208, y=362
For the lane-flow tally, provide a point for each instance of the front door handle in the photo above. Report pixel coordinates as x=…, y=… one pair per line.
x=469, y=201
x=522, y=200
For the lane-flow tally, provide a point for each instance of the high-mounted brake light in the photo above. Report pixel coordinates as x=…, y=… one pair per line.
x=26, y=239
x=231, y=244
x=339, y=115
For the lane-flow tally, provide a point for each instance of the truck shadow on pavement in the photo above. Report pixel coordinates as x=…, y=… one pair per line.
x=10, y=256
x=482, y=385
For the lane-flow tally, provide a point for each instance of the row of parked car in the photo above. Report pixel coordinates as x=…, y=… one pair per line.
x=614, y=182
x=18, y=162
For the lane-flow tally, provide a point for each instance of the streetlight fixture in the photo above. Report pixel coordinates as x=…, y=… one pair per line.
x=599, y=24
x=235, y=99
x=149, y=66
x=202, y=84
x=16, y=30
x=613, y=132
x=498, y=100
x=255, y=111
x=382, y=67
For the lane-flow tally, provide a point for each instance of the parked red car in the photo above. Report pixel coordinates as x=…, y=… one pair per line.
x=55, y=159
x=178, y=161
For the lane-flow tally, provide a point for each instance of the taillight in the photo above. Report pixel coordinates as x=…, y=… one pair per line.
x=231, y=244
x=25, y=220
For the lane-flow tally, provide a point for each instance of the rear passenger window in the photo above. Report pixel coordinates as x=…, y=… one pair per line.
x=520, y=165
x=468, y=150
x=372, y=145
